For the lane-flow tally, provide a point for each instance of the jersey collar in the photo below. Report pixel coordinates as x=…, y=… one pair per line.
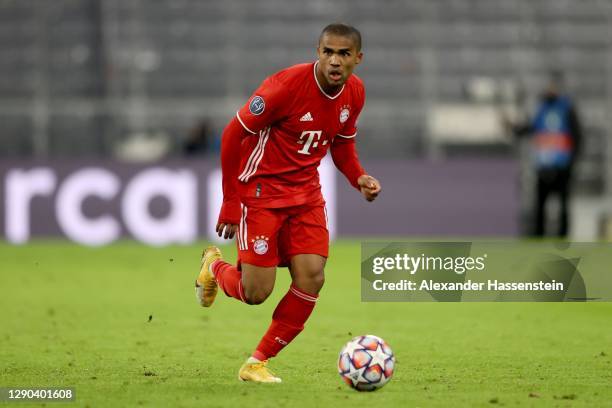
x=314, y=72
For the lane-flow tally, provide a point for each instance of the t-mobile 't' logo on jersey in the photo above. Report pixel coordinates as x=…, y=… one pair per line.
x=308, y=139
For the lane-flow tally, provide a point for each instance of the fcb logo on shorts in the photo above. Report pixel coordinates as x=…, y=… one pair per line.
x=260, y=244
x=257, y=105
x=344, y=115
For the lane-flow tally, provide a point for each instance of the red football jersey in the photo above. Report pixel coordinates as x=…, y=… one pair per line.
x=293, y=122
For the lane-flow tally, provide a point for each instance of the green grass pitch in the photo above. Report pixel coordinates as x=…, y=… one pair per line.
x=79, y=317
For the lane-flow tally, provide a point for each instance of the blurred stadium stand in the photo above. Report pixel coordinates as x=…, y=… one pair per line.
x=79, y=76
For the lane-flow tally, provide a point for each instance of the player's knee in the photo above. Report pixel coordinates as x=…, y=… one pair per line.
x=318, y=280
x=256, y=296
x=311, y=283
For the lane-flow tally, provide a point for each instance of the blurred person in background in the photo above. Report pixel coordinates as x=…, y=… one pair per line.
x=556, y=137
x=201, y=140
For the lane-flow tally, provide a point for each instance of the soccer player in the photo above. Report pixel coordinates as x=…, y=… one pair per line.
x=272, y=200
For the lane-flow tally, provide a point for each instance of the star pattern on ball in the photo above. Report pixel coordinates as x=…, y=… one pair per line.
x=356, y=376
x=351, y=348
x=378, y=356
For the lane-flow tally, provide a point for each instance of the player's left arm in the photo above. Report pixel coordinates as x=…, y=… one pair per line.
x=346, y=159
x=369, y=187
x=344, y=154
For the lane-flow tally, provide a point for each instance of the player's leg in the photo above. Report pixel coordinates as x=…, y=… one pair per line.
x=295, y=307
x=542, y=191
x=305, y=241
x=258, y=255
x=289, y=316
x=250, y=284
x=563, y=188
x=252, y=279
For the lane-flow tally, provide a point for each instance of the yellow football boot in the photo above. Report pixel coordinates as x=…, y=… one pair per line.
x=257, y=371
x=206, y=285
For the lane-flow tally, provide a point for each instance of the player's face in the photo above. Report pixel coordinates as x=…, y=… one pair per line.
x=338, y=57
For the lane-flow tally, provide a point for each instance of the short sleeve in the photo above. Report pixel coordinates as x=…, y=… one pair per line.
x=266, y=106
x=349, y=130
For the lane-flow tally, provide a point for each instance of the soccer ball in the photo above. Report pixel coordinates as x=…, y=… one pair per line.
x=366, y=363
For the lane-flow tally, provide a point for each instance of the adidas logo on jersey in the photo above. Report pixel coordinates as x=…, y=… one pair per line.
x=306, y=118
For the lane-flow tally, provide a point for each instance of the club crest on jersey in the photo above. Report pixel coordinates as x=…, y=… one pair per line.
x=257, y=105
x=260, y=244
x=344, y=115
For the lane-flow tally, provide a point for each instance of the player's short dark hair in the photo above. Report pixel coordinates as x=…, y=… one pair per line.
x=343, y=30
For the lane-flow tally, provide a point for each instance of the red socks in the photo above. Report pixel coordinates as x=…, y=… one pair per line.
x=287, y=322
x=229, y=278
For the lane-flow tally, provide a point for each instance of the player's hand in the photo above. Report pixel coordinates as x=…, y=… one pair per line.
x=227, y=231
x=369, y=186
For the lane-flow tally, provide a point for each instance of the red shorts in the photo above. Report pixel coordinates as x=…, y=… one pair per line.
x=272, y=236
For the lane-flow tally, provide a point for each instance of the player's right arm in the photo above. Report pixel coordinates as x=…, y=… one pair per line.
x=265, y=107
x=229, y=217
